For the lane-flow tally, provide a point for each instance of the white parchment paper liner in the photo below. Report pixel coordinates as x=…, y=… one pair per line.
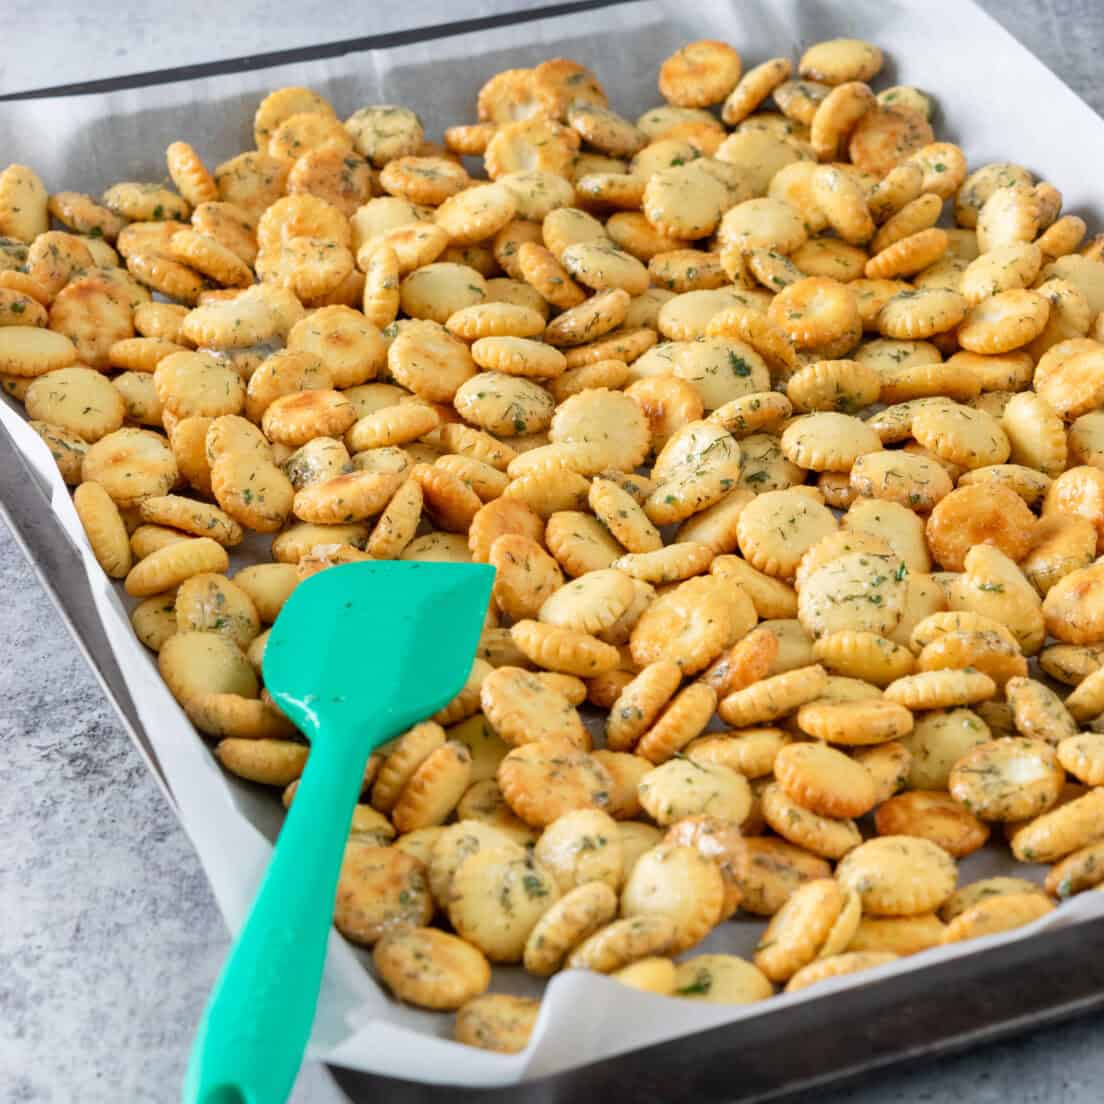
x=994, y=98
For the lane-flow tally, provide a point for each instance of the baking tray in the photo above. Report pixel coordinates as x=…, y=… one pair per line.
x=947, y=1007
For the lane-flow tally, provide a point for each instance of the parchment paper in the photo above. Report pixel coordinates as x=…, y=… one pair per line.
x=993, y=98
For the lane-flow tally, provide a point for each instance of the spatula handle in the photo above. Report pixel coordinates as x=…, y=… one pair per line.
x=251, y=1039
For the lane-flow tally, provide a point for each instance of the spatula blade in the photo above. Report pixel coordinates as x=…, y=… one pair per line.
x=395, y=638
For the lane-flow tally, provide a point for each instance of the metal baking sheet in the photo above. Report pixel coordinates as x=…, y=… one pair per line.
x=925, y=1007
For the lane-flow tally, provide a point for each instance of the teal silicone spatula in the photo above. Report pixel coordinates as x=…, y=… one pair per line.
x=358, y=654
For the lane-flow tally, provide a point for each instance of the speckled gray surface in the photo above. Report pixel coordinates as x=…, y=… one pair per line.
x=109, y=938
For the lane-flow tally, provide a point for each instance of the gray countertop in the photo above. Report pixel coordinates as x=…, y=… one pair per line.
x=110, y=938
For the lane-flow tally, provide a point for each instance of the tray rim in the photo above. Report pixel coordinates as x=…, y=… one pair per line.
x=756, y=1061
x=337, y=48
x=17, y=481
